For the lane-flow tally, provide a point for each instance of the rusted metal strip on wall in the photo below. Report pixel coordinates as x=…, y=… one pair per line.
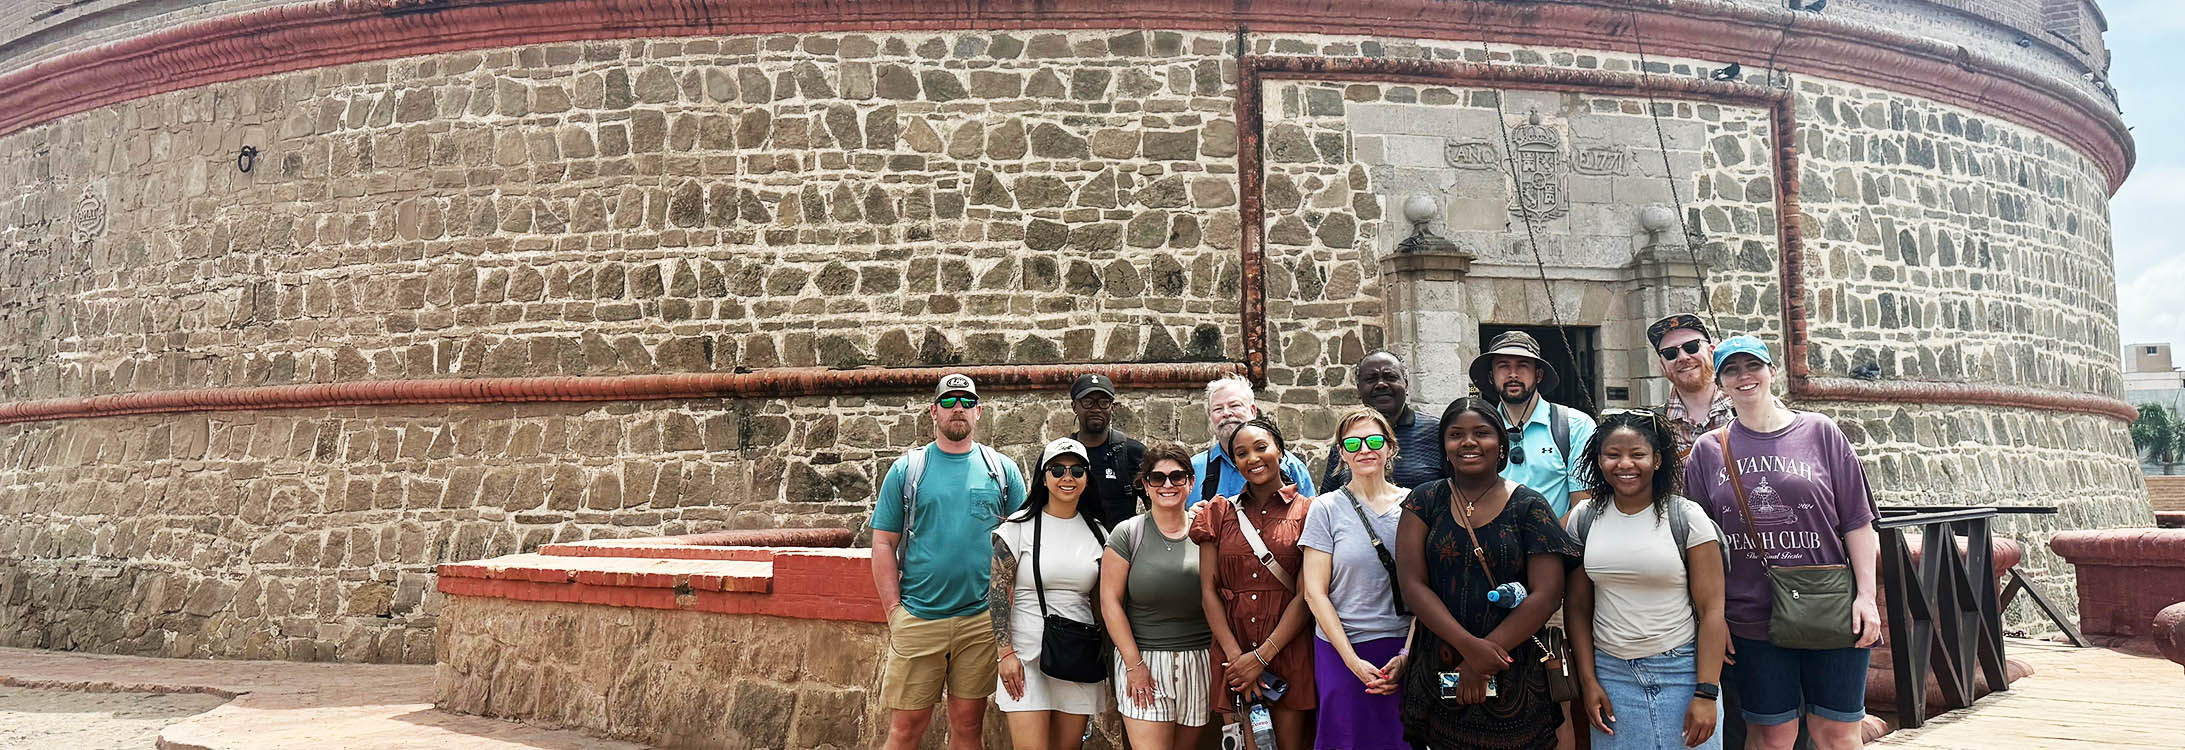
x=1251, y=213
x=772, y=383
x=333, y=32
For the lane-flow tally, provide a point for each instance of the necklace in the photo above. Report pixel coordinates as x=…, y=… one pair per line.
x=1469, y=502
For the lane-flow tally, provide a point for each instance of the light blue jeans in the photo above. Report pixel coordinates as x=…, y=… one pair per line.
x=1649, y=696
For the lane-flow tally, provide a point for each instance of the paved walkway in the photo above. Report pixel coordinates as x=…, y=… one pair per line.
x=2076, y=698
x=288, y=705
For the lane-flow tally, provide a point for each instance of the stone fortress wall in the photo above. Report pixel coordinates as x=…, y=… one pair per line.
x=969, y=196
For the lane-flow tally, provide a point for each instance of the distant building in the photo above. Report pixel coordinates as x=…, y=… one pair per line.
x=2151, y=378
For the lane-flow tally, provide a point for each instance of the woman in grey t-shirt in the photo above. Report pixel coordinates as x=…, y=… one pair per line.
x=1149, y=600
x=1358, y=648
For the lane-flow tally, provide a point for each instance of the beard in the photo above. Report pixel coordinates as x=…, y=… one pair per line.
x=1524, y=392
x=956, y=429
x=1693, y=379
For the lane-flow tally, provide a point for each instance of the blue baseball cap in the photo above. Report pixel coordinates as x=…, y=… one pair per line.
x=1741, y=345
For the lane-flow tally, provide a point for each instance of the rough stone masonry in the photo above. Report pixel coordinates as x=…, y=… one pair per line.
x=884, y=199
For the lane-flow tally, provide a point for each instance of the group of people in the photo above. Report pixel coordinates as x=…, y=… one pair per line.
x=1491, y=577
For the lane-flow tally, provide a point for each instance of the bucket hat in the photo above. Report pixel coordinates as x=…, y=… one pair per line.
x=1514, y=344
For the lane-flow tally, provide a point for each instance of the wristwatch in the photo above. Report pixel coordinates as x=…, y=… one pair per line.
x=1708, y=690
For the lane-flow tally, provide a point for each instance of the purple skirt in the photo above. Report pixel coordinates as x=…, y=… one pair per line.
x=1349, y=719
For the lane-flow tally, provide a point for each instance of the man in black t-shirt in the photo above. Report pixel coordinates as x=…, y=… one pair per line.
x=1115, y=456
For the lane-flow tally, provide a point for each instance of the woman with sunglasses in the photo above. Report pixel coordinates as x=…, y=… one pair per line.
x=1788, y=484
x=1476, y=678
x=1349, y=582
x=1048, y=550
x=1645, y=606
x=1252, y=607
x=1149, y=596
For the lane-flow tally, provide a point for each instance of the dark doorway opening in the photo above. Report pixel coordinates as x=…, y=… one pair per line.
x=1572, y=351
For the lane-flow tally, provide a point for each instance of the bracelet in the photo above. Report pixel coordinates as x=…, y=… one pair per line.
x=1405, y=651
x=1262, y=659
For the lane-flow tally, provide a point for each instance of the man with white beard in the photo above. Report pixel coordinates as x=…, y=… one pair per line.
x=931, y=523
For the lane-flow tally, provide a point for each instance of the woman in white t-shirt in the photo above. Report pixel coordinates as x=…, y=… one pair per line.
x=1050, y=542
x=1349, y=583
x=1645, y=612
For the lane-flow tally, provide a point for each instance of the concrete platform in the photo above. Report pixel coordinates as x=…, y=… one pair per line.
x=276, y=705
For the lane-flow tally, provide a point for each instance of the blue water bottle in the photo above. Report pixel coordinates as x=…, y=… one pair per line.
x=1508, y=595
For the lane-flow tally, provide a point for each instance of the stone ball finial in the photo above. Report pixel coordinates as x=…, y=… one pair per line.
x=1420, y=209
x=1656, y=218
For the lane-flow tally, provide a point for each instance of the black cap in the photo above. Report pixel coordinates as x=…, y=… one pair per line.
x=1091, y=383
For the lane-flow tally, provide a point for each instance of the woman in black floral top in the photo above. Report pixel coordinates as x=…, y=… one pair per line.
x=1442, y=580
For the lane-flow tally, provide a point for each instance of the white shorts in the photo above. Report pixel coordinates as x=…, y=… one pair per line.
x=1043, y=693
x=1181, y=680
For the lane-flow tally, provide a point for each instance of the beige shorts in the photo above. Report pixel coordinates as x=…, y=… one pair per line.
x=925, y=656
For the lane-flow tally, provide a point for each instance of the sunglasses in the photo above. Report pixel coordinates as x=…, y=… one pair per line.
x=1516, y=445
x=1164, y=478
x=1689, y=347
x=1631, y=415
x=1058, y=470
x=1369, y=442
x=951, y=402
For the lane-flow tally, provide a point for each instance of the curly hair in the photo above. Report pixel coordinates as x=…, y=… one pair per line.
x=1650, y=427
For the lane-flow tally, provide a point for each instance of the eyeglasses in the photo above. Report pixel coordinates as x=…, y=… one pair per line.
x=952, y=402
x=1689, y=347
x=1166, y=478
x=1369, y=442
x=1057, y=470
x=1516, y=445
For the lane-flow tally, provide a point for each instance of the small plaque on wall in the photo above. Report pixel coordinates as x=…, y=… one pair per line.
x=1619, y=393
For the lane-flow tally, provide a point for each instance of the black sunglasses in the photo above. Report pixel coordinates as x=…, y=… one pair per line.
x=1057, y=470
x=1688, y=347
x=1516, y=448
x=1160, y=478
x=951, y=402
x=1369, y=442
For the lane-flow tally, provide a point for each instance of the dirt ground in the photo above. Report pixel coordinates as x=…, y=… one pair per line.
x=42, y=719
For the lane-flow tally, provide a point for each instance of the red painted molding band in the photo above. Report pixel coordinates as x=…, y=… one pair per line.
x=334, y=32
x=1920, y=392
x=774, y=383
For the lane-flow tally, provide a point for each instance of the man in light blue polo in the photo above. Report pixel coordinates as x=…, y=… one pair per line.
x=1229, y=402
x=1545, y=439
x=931, y=522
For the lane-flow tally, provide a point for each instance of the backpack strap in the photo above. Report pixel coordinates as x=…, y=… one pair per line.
x=914, y=468
x=1559, y=428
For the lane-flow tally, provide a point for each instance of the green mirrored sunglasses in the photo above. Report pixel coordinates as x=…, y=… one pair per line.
x=951, y=402
x=1369, y=443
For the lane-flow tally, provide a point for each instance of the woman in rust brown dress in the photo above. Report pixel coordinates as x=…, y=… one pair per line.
x=1257, y=617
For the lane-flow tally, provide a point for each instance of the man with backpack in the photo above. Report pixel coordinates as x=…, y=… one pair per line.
x=1544, y=438
x=931, y=522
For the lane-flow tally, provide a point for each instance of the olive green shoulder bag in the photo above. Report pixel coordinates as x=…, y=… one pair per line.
x=1812, y=603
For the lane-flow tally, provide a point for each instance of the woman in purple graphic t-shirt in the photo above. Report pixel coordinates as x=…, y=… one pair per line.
x=1808, y=501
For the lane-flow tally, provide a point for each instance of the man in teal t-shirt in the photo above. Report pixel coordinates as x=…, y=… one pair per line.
x=1512, y=371
x=932, y=571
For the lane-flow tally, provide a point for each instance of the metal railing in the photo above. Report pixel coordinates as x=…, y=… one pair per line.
x=1944, y=608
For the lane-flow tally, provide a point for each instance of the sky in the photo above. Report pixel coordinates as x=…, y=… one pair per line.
x=2147, y=45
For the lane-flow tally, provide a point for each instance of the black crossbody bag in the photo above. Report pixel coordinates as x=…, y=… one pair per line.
x=1068, y=649
x=1387, y=560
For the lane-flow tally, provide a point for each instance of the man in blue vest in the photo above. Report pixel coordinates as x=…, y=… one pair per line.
x=931, y=522
x=1545, y=439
